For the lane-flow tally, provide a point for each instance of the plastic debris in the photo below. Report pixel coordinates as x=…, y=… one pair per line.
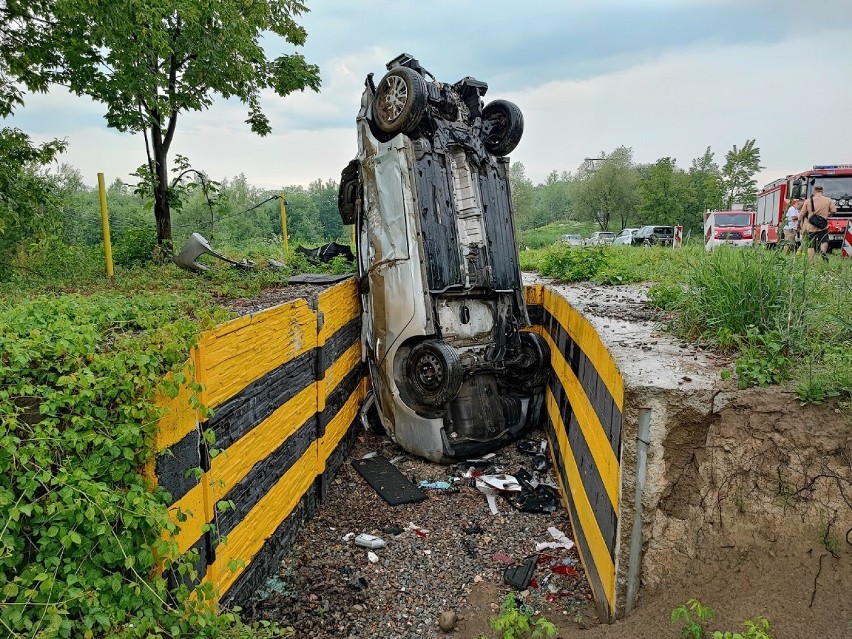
x=519, y=576
x=562, y=541
x=348, y=536
x=502, y=483
x=370, y=455
x=562, y=569
x=435, y=485
x=505, y=559
x=417, y=530
x=372, y=557
x=369, y=541
x=358, y=583
x=393, y=530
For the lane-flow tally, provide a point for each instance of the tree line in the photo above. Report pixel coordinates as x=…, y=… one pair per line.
x=44, y=209
x=615, y=192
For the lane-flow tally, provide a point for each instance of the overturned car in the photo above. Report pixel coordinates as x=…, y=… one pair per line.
x=454, y=374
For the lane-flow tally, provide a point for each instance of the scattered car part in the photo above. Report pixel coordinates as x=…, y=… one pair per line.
x=519, y=575
x=195, y=247
x=327, y=252
x=369, y=541
x=385, y=479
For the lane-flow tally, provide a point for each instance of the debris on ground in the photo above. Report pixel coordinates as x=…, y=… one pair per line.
x=438, y=554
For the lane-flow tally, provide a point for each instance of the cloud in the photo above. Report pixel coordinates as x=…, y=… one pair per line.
x=682, y=102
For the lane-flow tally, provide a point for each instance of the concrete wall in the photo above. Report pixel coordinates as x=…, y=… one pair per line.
x=285, y=386
x=584, y=401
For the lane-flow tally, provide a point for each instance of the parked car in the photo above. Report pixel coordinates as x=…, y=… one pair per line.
x=453, y=375
x=625, y=237
x=650, y=235
x=600, y=237
x=572, y=240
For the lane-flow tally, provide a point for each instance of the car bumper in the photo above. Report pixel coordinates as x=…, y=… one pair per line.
x=714, y=243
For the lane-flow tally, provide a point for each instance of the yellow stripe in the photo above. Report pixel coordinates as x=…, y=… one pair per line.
x=585, y=335
x=178, y=417
x=593, y=432
x=235, y=462
x=240, y=352
x=339, y=305
x=249, y=536
x=197, y=509
x=339, y=424
x=534, y=294
x=342, y=367
x=588, y=524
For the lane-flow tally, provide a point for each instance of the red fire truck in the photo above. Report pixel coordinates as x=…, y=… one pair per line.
x=836, y=181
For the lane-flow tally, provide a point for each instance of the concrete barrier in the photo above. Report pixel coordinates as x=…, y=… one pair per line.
x=584, y=401
x=284, y=386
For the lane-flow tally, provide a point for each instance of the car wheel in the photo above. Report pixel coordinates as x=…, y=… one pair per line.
x=400, y=101
x=535, y=359
x=348, y=193
x=502, y=127
x=433, y=372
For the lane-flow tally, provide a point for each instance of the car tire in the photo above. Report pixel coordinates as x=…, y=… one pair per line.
x=400, y=101
x=433, y=373
x=534, y=371
x=503, y=126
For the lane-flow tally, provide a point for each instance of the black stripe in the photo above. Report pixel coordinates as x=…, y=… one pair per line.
x=173, y=463
x=579, y=537
x=596, y=390
x=264, y=475
x=175, y=579
x=335, y=401
x=339, y=343
x=257, y=401
x=536, y=313
x=589, y=472
x=267, y=561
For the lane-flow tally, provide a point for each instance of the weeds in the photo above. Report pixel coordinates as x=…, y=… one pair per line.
x=694, y=618
x=517, y=621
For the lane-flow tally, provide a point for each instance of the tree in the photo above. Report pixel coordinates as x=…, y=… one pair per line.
x=554, y=199
x=149, y=61
x=738, y=174
x=610, y=189
x=706, y=189
x=665, y=192
x=29, y=209
x=523, y=196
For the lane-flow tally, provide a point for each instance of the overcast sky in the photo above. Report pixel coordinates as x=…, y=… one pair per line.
x=665, y=77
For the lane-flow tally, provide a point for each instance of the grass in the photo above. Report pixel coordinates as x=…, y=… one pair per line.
x=785, y=319
x=546, y=235
x=78, y=271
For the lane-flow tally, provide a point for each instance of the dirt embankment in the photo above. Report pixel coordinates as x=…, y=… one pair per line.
x=748, y=499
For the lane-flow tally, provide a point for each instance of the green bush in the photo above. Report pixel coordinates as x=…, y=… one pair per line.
x=573, y=263
x=135, y=247
x=81, y=529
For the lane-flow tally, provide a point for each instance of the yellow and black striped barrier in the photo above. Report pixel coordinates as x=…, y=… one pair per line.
x=285, y=386
x=584, y=404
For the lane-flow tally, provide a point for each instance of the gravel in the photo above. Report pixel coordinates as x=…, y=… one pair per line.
x=273, y=296
x=327, y=587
